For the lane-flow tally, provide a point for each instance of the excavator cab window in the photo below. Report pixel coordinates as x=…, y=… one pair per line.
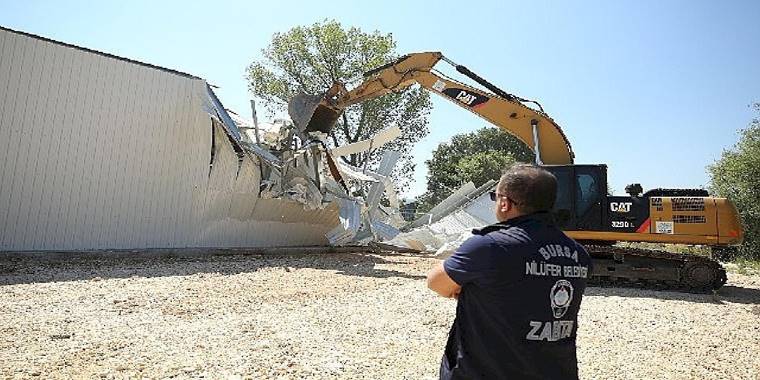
x=564, y=205
x=587, y=193
x=580, y=195
x=590, y=195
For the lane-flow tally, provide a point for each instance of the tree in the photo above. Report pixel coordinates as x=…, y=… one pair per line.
x=477, y=156
x=736, y=176
x=310, y=59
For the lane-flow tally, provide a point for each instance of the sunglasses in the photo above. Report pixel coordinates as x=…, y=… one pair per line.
x=493, y=196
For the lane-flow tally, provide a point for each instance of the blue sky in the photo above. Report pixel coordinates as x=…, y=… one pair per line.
x=654, y=89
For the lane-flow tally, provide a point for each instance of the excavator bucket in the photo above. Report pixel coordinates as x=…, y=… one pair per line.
x=312, y=113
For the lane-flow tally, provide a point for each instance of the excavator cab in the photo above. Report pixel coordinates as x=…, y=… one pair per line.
x=583, y=202
x=581, y=196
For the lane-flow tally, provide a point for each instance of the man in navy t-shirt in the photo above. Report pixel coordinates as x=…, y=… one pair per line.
x=519, y=285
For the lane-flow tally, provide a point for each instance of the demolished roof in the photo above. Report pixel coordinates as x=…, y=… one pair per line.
x=109, y=55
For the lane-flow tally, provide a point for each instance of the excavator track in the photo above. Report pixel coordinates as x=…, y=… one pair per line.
x=654, y=269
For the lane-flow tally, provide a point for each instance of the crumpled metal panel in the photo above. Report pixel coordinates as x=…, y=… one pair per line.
x=225, y=222
x=475, y=209
x=350, y=223
x=219, y=110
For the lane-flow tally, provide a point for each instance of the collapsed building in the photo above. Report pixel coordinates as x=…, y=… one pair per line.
x=299, y=166
x=103, y=152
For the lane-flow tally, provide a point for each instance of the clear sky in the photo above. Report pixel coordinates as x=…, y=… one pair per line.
x=654, y=89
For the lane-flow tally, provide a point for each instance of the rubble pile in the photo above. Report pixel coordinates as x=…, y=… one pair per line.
x=298, y=164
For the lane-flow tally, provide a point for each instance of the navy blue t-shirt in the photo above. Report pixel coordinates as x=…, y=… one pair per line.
x=517, y=314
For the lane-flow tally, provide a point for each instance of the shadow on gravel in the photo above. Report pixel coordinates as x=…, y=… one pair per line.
x=728, y=293
x=34, y=269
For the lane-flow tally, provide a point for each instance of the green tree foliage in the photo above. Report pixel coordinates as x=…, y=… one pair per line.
x=736, y=176
x=310, y=58
x=477, y=156
x=483, y=166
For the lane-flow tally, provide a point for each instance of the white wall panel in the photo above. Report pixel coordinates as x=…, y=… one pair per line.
x=101, y=153
x=35, y=233
x=13, y=163
x=50, y=217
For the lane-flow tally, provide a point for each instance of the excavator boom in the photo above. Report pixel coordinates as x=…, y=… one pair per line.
x=533, y=127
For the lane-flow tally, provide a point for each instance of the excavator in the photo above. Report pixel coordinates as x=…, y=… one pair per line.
x=583, y=208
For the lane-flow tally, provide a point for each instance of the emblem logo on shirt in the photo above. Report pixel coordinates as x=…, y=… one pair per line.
x=561, y=296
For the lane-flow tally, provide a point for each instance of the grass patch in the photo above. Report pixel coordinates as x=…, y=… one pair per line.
x=747, y=266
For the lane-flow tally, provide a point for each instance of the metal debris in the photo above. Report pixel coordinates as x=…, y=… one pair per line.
x=297, y=164
x=447, y=225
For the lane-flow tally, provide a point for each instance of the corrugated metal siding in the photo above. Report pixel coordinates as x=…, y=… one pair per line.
x=97, y=153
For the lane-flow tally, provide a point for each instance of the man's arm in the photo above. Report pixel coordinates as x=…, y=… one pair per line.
x=440, y=282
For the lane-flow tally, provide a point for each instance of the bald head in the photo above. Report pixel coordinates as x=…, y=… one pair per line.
x=532, y=188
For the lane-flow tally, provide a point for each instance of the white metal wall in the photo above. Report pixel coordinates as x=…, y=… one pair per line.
x=99, y=153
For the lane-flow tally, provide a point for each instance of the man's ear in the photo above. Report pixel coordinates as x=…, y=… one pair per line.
x=505, y=204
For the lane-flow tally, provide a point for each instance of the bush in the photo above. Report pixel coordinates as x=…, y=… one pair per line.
x=736, y=176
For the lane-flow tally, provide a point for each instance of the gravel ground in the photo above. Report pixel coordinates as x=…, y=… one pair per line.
x=326, y=316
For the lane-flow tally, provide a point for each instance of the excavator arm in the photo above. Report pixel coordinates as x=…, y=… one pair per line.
x=533, y=127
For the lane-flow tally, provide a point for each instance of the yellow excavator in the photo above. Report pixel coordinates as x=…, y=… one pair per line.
x=583, y=208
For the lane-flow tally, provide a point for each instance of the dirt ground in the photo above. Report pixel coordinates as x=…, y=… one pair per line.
x=326, y=316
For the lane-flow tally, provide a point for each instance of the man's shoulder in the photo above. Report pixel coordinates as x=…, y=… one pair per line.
x=483, y=231
x=504, y=234
x=477, y=242
x=498, y=229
